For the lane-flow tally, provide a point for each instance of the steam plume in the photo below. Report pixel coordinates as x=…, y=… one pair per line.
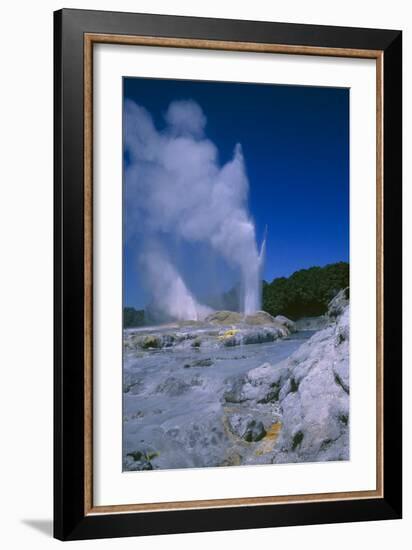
x=179, y=188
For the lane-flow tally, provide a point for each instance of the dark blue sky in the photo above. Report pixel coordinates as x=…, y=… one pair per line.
x=295, y=143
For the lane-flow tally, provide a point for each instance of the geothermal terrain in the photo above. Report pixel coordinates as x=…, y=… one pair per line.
x=235, y=389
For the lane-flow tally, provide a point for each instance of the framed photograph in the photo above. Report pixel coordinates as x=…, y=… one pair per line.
x=227, y=274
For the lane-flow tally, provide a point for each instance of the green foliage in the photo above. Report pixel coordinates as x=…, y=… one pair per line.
x=305, y=293
x=133, y=317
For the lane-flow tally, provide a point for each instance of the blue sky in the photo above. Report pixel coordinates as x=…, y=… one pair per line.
x=295, y=142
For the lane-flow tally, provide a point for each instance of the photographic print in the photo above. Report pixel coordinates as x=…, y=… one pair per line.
x=235, y=274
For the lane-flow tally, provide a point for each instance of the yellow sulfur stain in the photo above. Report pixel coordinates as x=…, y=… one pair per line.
x=227, y=334
x=267, y=443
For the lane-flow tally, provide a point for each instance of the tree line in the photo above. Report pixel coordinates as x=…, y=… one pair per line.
x=306, y=292
x=133, y=317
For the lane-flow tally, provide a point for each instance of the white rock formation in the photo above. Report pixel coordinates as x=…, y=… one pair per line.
x=314, y=398
x=311, y=390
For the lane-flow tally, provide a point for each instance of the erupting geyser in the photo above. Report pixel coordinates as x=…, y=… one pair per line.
x=178, y=188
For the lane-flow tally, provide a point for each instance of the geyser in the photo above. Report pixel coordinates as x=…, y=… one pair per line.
x=169, y=290
x=176, y=186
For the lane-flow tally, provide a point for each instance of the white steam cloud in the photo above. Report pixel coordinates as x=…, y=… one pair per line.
x=182, y=190
x=167, y=286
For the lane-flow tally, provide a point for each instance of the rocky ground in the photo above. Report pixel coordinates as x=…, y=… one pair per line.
x=222, y=328
x=235, y=390
x=311, y=391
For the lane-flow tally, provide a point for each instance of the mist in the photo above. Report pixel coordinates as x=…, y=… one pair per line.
x=176, y=187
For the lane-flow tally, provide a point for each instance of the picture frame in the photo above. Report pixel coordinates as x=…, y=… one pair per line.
x=76, y=33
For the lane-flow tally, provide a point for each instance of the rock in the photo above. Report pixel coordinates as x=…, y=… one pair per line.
x=238, y=424
x=255, y=431
x=196, y=381
x=231, y=318
x=227, y=335
x=199, y=363
x=342, y=327
x=173, y=387
x=234, y=459
x=310, y=392
x=224, y=318
x=230, y=328
x=247, y=427
x=338, y=304
x=134, y=388
x=139, y=461
x=197, y=342
x=144, y=341
x=297, y=408
x=314, y=397
x=234, y=391
x=260, y=385
x=150, y=341
x=253, y=335
x=153, y=341
x=133, y=383
x=204, y=442
x=259, y=318
x=272, y=395
x=287, y=322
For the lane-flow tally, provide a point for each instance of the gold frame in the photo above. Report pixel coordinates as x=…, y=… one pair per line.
x=89, y=40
